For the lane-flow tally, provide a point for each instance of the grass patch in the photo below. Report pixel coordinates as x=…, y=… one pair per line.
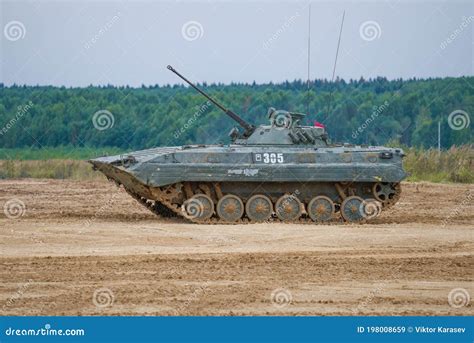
x=453, y=165
x=48, y=169
x=61, y=152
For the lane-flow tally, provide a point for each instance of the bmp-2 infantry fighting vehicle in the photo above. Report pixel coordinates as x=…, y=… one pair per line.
x=281, y=171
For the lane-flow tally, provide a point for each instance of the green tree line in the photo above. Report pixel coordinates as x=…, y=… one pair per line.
x=375, y=112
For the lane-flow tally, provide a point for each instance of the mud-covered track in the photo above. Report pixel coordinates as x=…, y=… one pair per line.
x=354, y=203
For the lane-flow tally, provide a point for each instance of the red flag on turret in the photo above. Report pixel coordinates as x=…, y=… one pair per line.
x=318, y=124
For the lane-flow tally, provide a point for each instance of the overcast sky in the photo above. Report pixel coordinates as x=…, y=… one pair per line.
x=77, y=43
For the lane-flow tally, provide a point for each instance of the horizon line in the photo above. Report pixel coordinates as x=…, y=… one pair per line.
x=183, y=85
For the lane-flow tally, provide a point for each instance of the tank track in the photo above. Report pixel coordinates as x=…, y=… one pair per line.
x=164, y=207
x=156, y=207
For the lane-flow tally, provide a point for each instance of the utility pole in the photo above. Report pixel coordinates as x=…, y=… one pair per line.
x=309, y=58
x=439, y=136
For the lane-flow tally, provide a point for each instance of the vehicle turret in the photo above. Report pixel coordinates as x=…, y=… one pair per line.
x=284, y=127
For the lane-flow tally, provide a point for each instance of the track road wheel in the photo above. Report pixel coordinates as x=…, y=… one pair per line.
x=259, y=208
x=288, y=208
x=321, y=209
x=351, y=209
x=387, y=193
x=200, y=207
x=230, y=208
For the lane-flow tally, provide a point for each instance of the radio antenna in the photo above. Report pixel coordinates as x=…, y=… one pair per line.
x=309, y=58
x=335, y=61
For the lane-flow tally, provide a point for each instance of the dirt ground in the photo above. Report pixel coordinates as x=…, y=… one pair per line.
x=87, y=248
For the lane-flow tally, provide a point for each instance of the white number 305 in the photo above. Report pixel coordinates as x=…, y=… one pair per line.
x=269, y=158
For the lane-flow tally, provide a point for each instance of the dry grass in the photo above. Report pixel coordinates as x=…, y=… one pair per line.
x=49, y=169
x=453, y=165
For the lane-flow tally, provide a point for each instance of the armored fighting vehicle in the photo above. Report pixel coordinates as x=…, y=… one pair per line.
x=282, y=171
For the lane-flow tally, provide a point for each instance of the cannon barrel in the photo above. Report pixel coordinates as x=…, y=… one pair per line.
x=248, y=127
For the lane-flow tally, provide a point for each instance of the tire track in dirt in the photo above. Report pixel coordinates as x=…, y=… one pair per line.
x=76, y=238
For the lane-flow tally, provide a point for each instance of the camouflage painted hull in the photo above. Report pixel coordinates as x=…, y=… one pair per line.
x=304, y=173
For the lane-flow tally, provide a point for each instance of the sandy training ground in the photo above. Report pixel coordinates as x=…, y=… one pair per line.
x=87, y=248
